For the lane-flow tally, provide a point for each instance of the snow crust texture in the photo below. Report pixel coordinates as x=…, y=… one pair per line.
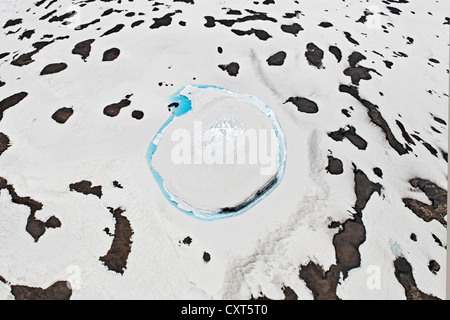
x=360, y=89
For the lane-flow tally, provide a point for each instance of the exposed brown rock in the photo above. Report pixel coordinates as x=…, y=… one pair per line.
x=4, y=143
x=113, y=110
x=83, y=48
x=62, y=115
x=11, y=101
x=53, y=68
x=438, y=196
x=404, y=275
x=117, y=256
x=85, y=187
x=58, y=291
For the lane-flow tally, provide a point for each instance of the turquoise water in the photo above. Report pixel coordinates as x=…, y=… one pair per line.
x=185, y=106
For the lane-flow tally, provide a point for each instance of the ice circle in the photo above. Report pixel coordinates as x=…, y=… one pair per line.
x=218, y=154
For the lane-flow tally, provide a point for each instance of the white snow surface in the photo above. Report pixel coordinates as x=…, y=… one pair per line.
x=256, y=253
x=218, y=143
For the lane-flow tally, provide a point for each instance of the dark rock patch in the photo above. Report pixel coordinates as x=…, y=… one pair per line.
x=42, y=44
x=358, y=73
x=405, y=133
x=351, y=135
x=137, y=114
x=294, y=28
x=355, y=58
x=34, y=227
x=53, y=68
x=303, y=104
x=376, y=118
x=336, y=52
x=322, y=284
x=437, y=240
x=26, y=34
x=48, y=14
x=12, y=22
x=117, y=256
x=439, y=120
x=351, y=90
x=111, y=54
x=277, y=59
x=83, y=48
x=85, y=187
x=404, y=275
x=432, y=128
x=11, y=101
x=289, y=293
x=172, y=106
x=113, y=110
x=116, y=184
x=206, y=257
x=137, y=23
x=163, y=21
x=107, y=12
x=115, y=29
x=394, y=10
x=63, y=17
x=334, y=166
x=438, y=197
x=378, y=172
x=430, y=148
x=234, y=12
x=413, y=237
x=261, y=297
x=210, y=22
x=4, y=143
x=260, y=34
x=85, y=25
x=62, y=115
x=232, y=68
x=60, y=290
x=52, y=222
x=364, y=188
x=388, y=64
x=314, y=55
x=350, y=39
x=325, y=24
x=187, y=240
x=346, y=113
x=290, y=15
x=347, y=241
x=434, y=266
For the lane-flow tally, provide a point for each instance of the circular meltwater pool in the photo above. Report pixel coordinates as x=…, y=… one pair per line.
x=218, y=154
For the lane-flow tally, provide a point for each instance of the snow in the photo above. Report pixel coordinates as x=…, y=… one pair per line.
x=223, y=152
x=260, y=251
